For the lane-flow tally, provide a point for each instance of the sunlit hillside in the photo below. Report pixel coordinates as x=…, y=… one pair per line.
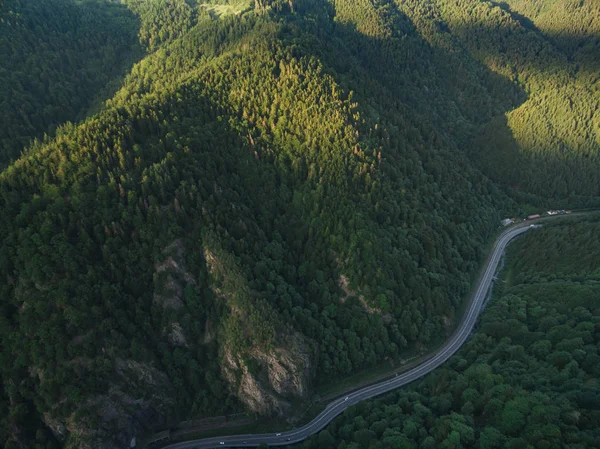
x=217, y=207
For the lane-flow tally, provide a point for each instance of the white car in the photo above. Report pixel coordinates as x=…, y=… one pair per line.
x=277, y=434
x=346, y=398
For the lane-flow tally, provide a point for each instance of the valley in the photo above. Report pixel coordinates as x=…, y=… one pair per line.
x=219, y=208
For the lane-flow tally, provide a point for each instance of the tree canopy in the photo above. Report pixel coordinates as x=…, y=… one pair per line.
x=528, y=375
x=283, y=181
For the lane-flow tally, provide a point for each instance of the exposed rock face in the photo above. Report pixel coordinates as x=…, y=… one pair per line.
x=251, y=391
x=169, y=290
x=176, y=276
x=265, y=375
x=139, y=397
x=209, y=333
x=176, y=336
x=273, y=377
x=58, y=427
x=288, y=367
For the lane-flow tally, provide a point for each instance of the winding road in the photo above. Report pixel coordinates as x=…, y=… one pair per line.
x=338, y=406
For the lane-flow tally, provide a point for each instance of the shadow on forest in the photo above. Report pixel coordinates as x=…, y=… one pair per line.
x=403, y=70
x=549, y=146
x=117, y=73
x=194, y=161
x=65, y=78
x=588, y=46
x=409, y=78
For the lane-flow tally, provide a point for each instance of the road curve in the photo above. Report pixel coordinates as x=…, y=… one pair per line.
x=338, y=406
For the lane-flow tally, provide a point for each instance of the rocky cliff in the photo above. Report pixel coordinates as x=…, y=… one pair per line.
x=267, y=379
x=265, y=363
x=137, y=400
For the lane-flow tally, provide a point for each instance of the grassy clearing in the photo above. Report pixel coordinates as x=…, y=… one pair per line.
x=225, y=9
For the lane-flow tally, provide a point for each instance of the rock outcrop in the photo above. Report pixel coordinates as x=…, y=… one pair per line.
x=171, y=277
x=264, y=372
x=139, y=396
x=266, y=380
x=137, y=400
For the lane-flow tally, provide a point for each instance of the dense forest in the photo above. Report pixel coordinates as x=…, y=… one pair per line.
x=276, y=194
x=59, y=59
x=528, y=377
x=550, y=144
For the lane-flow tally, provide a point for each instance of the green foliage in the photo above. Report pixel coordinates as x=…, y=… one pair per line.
x=162, y=20
x=572, y=25
x=518, y=394
x=58, y=59
x=550, y=144
x=295, y=170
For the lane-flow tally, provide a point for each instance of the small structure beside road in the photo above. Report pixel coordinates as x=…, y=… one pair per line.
x=158, y=438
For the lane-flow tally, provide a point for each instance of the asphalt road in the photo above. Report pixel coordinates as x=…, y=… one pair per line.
x=336, y=407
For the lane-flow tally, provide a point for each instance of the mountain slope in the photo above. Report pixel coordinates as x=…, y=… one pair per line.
x=271, y=200
x=59, y=58
x=527, y=377
x=550, y=144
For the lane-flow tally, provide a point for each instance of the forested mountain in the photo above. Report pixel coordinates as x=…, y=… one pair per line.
x=58, y=57
x=280, y=193
x=550, y=144
x=572, y=26
x=527, y=378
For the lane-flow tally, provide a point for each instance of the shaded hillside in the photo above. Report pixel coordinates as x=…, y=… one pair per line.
x=572, y=26
x=272, y=200
x=59, y=58
x=550, y=144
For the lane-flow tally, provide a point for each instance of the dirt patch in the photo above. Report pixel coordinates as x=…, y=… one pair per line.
x=344, y=285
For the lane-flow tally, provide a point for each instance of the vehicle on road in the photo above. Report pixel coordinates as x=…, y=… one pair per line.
x=451, y=346
x=277, y=434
